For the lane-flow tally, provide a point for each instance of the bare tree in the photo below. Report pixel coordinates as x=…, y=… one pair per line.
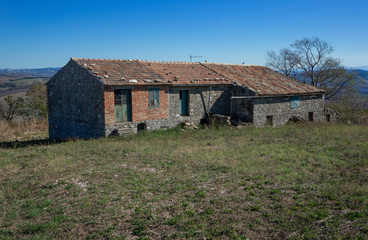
x=285, y=61
x=308, y=60
x=10, y=108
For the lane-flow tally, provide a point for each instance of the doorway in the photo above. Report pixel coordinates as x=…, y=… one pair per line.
x=123, y=105
x=184, y=103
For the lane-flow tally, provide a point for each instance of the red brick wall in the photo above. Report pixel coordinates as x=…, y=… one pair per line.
x=140, y=109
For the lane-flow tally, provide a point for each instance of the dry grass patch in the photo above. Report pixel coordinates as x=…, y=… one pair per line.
x=23, y=130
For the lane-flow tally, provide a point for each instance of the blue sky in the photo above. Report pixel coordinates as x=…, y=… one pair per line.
x=47, y=33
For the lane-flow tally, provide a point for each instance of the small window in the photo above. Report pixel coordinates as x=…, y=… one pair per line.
x=328, y=117
x=269, y=121
x=310, y=116
x=294, y=102
x=154, y=97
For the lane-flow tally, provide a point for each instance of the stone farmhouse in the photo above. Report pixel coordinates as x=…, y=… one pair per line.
x=91, y=98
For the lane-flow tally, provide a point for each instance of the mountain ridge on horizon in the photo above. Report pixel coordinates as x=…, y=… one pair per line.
x=365, y=68
x=36, y=72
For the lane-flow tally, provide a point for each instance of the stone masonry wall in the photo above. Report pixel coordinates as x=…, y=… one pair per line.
x=242, y=109
x=279, y=109
x=198, y=101
x=75, y=101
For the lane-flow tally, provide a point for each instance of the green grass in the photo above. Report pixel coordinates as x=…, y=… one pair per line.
x=299, y=181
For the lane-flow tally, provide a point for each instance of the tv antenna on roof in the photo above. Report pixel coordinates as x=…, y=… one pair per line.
x=191, y=57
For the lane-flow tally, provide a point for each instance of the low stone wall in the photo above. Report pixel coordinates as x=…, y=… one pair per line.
x=279, y=109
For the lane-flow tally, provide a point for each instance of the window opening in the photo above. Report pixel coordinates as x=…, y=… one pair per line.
x=328, y=117
x=294, y=102
x=310, y=116
x=154, y=97
x=269, y=121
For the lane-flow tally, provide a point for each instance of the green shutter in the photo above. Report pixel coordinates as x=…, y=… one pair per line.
x=123, y=106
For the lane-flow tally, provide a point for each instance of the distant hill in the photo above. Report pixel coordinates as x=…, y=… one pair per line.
x=17, y=81
x=36, y=72
x=363, y=75
x=19, y=85
x=365, y=68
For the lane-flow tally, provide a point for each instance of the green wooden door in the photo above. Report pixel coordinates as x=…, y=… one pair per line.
x=123, y=106
x=184, y=103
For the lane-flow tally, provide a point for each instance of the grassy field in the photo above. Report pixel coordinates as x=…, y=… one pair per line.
x=294, y=182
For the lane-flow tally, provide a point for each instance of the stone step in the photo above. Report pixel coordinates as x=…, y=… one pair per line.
x=125, y=131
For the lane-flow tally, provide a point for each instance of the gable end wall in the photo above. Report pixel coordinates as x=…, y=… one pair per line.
x=75, y=100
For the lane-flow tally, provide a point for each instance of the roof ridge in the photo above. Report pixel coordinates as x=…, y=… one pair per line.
x=175, y=62
x=165, y=62
x=234, y=64
x=131, y=60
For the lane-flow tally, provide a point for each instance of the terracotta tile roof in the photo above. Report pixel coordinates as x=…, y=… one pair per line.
x=138, y=72
x=261, y=80
x=186, y=73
